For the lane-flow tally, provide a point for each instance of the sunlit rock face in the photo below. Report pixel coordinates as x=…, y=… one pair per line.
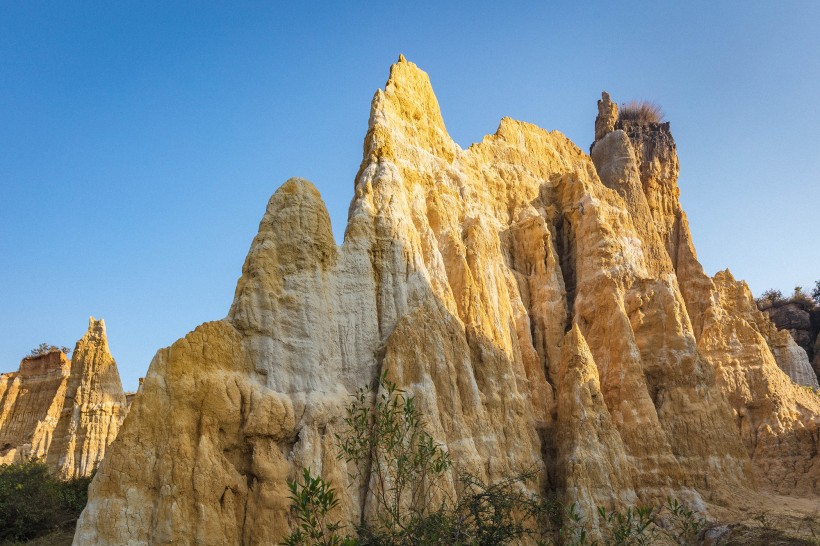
x=545, y=307
x=759, y=368
x=94, y=407
x=31, y=400
x=65, y=412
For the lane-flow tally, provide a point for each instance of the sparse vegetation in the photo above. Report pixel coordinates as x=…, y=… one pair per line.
x=45, y=348
x=771, y=295
x=312, y=501
x=685, y=525
x=387, y=441
x=632, y=527
x=774, y=298
x=642, y=111
x=810, y=389
x=33, y=503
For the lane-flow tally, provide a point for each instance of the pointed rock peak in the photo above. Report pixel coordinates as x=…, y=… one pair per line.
x=411, y=92
x=297, y=213
x=725, y=276
x=295, y=235
x=297, y=217
x=576, y=357
x=406, y=117
x=296, y=187
x=574, y=342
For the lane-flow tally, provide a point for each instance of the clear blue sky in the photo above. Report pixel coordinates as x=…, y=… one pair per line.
x=140, y=141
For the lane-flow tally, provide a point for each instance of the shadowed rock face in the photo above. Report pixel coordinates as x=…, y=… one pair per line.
x=546, y=309
x=63, y=411
x=802, y=321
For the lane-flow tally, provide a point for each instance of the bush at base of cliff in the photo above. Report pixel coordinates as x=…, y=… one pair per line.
x=388, y=439
x=33, y=503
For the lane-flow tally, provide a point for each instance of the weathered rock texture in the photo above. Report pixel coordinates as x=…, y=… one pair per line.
x=94, y=406
x=546, y=308
x=802, y=320
x=63, y=411
x=31, y=400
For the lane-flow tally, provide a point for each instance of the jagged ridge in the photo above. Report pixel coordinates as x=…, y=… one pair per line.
x=546, y=309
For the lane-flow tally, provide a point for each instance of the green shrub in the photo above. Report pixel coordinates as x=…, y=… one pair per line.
x=312, y=501
x=496, y=513
x=33, y=503
x=45, y=348
x=772, y=295
x=388, y=445
x=632, y=527
x=388, y=441
x=685, y=525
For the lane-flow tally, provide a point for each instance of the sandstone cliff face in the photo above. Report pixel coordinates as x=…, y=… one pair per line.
x=30, y=403
x=741, y=343
x=546, y=308
x=64, y=412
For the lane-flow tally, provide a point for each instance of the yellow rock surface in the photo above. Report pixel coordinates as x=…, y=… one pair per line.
x=65, y=412
x=31, y=400
x=545, y=307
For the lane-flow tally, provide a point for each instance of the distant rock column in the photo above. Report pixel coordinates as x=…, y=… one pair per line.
x=94, y=407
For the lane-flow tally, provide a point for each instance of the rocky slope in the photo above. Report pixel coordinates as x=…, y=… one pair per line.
x=546, y=308
x=63, y=411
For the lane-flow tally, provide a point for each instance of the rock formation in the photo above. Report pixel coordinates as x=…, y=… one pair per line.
x=801, y=318
x=31, y=400
x=545, y=307
x=130, y=396
x=654, y=153
x=94, y=406
x=63, y=411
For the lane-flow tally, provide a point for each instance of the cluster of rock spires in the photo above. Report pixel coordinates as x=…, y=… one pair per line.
x=64, y=412
x=545, y=306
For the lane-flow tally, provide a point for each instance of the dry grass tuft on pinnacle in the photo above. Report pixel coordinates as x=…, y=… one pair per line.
x=642, y=111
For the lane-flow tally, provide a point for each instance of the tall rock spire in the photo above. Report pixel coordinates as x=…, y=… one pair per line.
x=94, y=407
